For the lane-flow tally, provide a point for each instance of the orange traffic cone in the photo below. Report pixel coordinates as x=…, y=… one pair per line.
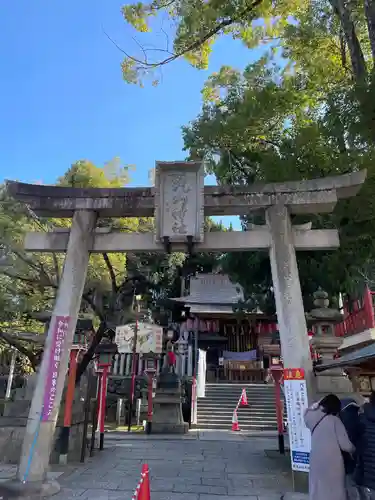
x=235, y=426
x=243, y=400
x=142, y=491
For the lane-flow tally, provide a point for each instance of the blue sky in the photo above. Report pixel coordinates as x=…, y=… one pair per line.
x=63, y=97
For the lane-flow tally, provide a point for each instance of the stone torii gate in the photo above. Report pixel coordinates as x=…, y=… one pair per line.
x=179, y=203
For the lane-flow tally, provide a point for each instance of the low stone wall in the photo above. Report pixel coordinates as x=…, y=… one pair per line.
x=13, y=425
x=12, y=432
x=11, y=437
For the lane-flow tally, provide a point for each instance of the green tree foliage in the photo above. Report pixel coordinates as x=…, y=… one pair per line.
x=307, y=31
x=196, y=25
x=290, y=120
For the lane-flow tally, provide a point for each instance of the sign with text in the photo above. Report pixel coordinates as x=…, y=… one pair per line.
x=295, y=391
x=59, y=333
x=149, y=338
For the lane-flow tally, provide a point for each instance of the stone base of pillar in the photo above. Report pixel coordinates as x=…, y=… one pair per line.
x=29, y=491
x=300, y=482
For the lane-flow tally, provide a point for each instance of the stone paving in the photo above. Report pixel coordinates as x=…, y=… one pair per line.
x=196, y=467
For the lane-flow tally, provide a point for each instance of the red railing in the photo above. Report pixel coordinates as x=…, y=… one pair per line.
x=360, y=319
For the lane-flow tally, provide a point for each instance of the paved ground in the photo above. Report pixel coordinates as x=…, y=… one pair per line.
x=201, y=466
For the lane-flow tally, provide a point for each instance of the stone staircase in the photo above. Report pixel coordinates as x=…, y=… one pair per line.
x=215, y=411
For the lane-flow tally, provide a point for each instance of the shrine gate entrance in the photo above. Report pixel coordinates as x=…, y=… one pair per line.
x=179, y=203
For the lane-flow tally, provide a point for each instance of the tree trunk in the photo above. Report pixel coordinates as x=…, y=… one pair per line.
x=89, y=354
x=370, y=18
x=355, y=50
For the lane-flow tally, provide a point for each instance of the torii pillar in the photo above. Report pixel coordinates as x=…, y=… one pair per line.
x=41, y=423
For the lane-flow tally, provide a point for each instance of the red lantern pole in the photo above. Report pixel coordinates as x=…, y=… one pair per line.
x=103, y=394
x=69, y=398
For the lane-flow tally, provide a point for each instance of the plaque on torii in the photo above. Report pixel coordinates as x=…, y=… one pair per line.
x=179, y=203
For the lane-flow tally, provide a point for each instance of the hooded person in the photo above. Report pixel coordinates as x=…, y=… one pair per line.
x=328, y=440
x=365, y=472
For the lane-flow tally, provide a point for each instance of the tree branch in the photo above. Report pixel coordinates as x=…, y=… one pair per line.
x=225, y=23
x=89, y=354
x=341, y=10
x=56, y=266
x=18, y=345
x=21, y=278
x=111, y=272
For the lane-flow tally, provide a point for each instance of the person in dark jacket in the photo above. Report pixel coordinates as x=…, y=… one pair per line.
x=349, y=416
x=365, y=471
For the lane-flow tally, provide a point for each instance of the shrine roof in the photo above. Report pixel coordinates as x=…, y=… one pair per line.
x=305, y=196
x=351, y=359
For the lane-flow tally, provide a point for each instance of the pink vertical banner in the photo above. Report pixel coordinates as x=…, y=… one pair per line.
x=60, y=330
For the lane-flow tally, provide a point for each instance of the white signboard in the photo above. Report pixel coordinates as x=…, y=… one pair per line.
x=149, y=338
x=296, y=403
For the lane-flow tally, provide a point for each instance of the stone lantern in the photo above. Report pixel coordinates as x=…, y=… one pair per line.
x=105, y=352
x=322, y=319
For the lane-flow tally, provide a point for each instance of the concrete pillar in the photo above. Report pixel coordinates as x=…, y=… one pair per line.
x=288, y=296
x=190, y=361
x=128, y=359
x=294, y=340
x=122, y=364
x=116, y=364
x=40, y=430
x=11, y=373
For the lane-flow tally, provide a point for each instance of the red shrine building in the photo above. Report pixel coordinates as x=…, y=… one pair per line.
x=238, y=347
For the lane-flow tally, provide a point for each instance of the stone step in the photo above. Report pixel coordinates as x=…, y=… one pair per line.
x=232, y=404
x=237, y=397
x=241, y=414
x=228, y=426
x=215, y=411
x=238, y=388
x=250, y=410
x=231, y=400
x=263, y=395
x=251, y=393
x=228, y=397
x=220, y=418
x=238, y=384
